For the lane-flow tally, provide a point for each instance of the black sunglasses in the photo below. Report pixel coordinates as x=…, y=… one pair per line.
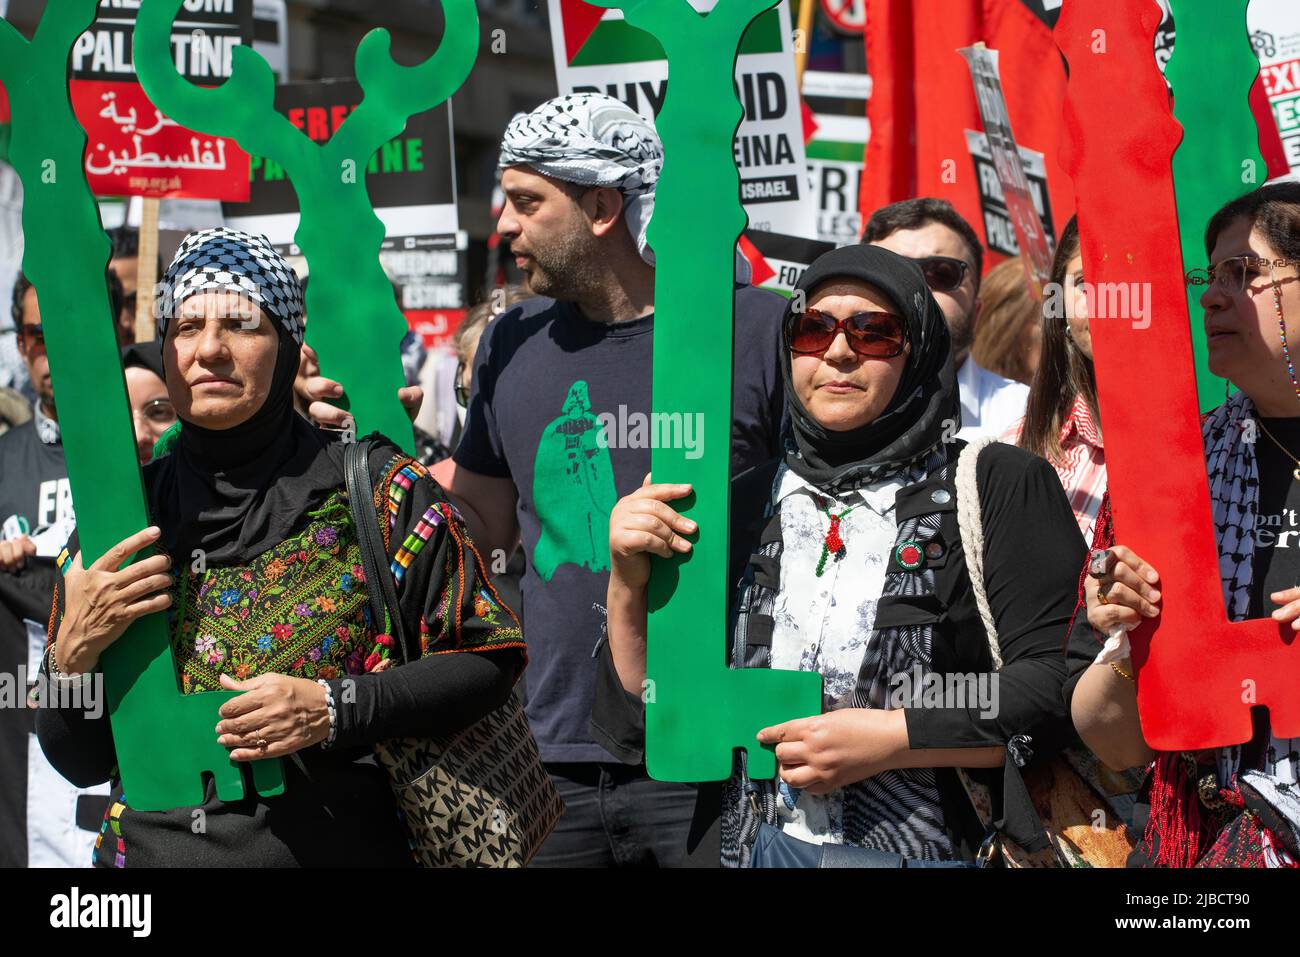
x=943, y=273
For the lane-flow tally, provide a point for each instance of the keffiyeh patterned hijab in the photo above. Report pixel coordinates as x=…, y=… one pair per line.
x=233, y=493
x=228, y=260
x=592, y=140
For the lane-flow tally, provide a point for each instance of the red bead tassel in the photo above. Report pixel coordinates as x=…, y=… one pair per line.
x=1175, y=819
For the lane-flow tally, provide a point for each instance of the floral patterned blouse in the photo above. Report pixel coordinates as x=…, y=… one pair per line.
x=301, y=609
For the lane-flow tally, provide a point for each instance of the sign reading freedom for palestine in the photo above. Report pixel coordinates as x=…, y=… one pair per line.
x=132, y=148
x=596, y=51
x=412, y=185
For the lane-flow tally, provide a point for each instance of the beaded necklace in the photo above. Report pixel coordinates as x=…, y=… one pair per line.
x=1281, y=326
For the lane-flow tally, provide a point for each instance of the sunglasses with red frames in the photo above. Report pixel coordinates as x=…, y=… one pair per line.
x=872, y=335
x=943, y=273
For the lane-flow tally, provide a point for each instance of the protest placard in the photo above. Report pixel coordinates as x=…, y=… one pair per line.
x=839, y=132
x=597, y=51
x=1031, y=237
x=1275, y=33
x=134, y=149
x=412, y=185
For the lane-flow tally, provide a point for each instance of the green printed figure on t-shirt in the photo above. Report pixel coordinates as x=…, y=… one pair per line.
x=573, y=489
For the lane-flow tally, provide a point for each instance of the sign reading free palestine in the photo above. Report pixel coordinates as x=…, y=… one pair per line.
x=596, y=51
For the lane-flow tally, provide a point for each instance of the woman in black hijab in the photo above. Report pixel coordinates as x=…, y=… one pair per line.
x=261, y=571
x=851, y=558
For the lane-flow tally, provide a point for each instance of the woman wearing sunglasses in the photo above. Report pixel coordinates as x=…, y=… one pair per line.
x=850, y=562
x=1229, y=807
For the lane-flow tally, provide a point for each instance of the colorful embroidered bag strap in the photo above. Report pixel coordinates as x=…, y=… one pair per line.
x=384, y=610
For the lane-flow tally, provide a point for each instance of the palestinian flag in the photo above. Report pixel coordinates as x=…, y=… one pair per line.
x=778, y=261
x=594, y=36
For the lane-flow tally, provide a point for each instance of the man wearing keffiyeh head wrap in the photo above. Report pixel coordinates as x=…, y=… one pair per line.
x=589, y=139
x=578, y=175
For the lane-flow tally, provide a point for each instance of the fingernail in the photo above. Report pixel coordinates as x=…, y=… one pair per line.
x=336, y=391
x=691, y=526
x=1152, y=576
x=1153, y=595
x=154, y=531
x=1278, y=614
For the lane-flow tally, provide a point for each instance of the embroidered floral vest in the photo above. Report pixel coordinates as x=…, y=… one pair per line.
x=298, y=609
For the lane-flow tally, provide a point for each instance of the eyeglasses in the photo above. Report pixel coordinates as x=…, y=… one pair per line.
x=1232, y=274
x=872, y=335
x=158, y=412
x=943, y=273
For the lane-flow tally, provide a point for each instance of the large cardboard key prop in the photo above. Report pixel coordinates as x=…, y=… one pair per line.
x=697, y=709
x=1198, y=678
x=354, y=322
x=165, y=741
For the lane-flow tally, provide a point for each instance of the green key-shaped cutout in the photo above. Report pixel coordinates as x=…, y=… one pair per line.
x=165, y=741
x=698, y=710
x=354, y=325
x=1211, y=71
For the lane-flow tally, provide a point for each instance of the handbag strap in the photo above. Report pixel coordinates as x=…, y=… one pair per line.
x=384, y=610
x=970, y=521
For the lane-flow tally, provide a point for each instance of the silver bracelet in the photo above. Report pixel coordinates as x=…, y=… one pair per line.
x=329, y=705
x=57, y=675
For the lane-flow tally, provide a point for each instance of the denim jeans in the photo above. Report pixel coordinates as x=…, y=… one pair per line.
x=617, y=816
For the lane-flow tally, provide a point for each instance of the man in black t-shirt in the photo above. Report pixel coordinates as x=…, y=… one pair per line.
x=559, y=427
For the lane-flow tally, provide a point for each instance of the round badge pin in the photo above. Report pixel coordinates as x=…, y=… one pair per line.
x=934, y=551
x=909, y=555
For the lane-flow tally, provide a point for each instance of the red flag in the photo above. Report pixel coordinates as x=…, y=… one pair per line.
x=923, y=101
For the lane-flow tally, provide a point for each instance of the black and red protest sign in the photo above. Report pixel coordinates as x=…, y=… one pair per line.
x=412, y=185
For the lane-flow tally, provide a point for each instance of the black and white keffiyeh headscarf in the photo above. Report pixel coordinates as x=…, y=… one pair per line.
x=592, y=140
x=229, y=260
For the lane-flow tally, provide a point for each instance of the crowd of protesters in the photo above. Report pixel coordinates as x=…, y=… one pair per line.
x=917, y=478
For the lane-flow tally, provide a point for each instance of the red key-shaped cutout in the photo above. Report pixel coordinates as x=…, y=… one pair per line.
x=1198, y=673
